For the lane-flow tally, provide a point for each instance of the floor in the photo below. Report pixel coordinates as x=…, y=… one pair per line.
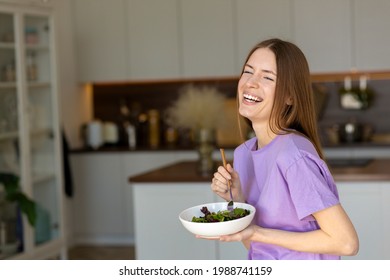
x=87, y=252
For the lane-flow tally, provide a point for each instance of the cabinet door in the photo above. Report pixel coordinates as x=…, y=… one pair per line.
x=322, y=29
x=367, y=206
x=207, y=38
x=42, y=125
x=99, y=204
x=29, y=134
x=153, y=45
x=158, y=231
x=258, y=20
x=100, y=39
x=372, y=34
x=10, y=136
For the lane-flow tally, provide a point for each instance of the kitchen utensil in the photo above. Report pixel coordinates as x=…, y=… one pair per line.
x=230, y=205
x=219, y=228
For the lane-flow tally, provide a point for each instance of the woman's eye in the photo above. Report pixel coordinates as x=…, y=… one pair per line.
x=247, y=72
x=269, y=78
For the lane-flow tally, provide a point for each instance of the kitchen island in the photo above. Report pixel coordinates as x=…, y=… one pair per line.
x=161, y=194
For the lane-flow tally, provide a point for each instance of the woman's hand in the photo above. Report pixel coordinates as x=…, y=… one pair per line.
x=245, y=236
x=219, y=183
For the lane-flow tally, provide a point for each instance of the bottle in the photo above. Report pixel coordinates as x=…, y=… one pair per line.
x=132, y=137
x=32, y=70
x=8, y=72
x=154, y=128
x=143, y=130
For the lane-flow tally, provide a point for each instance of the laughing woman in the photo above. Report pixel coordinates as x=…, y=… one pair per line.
x=281, y=170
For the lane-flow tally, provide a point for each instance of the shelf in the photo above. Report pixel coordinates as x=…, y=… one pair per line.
x=37, y=47
x=9, y=135
x=33, y=85
x=39, y=178
x=7, y=85
x=41, y=132
x=6, y=45
x=355, y=75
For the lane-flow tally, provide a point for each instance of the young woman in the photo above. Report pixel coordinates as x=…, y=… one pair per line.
x=281, y=171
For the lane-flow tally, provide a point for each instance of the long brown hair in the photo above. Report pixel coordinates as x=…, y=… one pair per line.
x=292, y=83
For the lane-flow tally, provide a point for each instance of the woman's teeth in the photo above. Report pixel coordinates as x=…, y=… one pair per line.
x=251, y=98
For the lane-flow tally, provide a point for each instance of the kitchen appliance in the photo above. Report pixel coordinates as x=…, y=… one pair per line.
x=94, y=134
x=110, y=133
x=352, y=131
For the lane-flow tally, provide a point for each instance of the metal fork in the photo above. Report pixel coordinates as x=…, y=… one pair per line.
x=230, y=205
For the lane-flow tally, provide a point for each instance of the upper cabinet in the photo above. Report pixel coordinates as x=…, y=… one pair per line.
x=372, y=40
x=100, y=37
x=207, y=34
x=259, y=20
x=152, y=39
x=322, y=29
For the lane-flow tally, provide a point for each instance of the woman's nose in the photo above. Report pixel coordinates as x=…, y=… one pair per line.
x=253, y=81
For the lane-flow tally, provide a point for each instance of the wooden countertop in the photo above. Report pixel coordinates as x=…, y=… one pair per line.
x=376, y=170
x=184, y=171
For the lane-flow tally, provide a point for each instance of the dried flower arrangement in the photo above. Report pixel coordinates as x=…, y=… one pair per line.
x=197, y=108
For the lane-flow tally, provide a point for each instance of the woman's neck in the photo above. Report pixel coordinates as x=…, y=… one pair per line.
x=264, y=135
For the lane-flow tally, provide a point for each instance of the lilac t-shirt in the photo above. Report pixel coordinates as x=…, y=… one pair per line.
x=287, y=182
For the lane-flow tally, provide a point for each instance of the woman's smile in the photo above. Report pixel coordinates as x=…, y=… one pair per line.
x=249, y=98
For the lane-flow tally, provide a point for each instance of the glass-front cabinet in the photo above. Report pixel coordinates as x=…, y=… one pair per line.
x=31, y=216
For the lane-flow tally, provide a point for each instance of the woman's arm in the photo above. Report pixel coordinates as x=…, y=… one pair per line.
x=336, y=235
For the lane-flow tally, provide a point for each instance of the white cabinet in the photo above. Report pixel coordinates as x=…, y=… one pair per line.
x=322, y=29
x=30, y=139
x=165, y=238
x=99, y=202
x=207, y=33
x=100, y=39
x=103, y=206
x=258, y=20
x=372, y=38
x=367, y=204
x=153, y=39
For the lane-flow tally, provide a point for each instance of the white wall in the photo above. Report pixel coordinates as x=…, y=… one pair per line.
x=74, y=103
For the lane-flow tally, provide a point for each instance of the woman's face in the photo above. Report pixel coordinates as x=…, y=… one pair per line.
x=256, y=87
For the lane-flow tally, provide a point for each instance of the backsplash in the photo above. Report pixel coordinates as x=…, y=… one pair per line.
x=377, y=115
x=143, y=96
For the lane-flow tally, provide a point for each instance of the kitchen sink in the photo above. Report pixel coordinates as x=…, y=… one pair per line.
x=348, y=162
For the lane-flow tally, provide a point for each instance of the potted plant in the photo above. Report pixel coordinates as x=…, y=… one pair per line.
x=13, y=193
x=200, y=109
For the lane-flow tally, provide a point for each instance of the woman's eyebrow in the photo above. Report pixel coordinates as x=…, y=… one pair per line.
x=269, y=72
x=262, y=70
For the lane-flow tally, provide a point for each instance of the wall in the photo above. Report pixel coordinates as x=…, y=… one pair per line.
x=74, y=100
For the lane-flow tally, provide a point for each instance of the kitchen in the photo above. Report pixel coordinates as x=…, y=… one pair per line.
x=103, y=45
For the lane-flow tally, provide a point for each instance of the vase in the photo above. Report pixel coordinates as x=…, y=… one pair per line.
x=205, y=145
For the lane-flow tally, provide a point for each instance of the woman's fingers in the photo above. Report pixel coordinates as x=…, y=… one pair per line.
x=218, y=186
x=224, y=172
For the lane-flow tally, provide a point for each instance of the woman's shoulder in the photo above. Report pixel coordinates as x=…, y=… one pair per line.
x=247, y=146
x=294, y=147
x=296, y=142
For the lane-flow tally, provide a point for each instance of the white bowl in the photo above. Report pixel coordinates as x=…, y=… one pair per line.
x=218, y=228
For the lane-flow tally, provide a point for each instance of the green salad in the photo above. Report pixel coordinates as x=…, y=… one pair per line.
x=220, y=216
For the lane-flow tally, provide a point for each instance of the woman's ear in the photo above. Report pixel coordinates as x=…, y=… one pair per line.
x=289, y=101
